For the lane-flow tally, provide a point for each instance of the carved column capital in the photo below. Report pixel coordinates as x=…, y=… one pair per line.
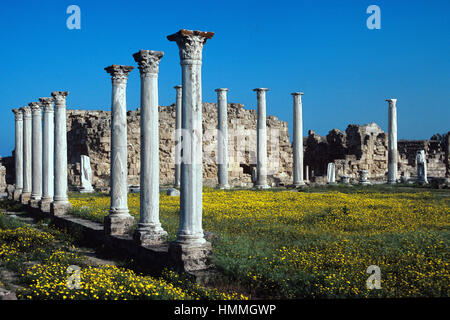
x=190, y=43
x=60, y=98
x=119, y=73
x=36, y=107
x=26, y=112
x=18, y=114
x=148, y=61
x=47, y=104
x=221, y=93
x=297, y=93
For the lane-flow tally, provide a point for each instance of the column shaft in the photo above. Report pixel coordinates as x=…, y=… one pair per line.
x=149, y=229
x=48, y=154
x=119, y=220
x=191, y=44
x=222, y=136
x=61, y=204
x=261, y=152
x=27, y=168
x=18, y=153
x=298, y=140
x=178, y=112
x=392, y=142
x=36, y=186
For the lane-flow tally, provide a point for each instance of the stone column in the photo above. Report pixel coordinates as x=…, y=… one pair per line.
x=36, y=149
x=363, y=177
x=190, y=232
x=149, y=229
x=261, y=137
x=392, y=143
x=27, y=162
x=307, y=173
x=60, y=204
x=119, y=221
x=222, y=136
x=48, y=154
x=18, y=153
x=331, y=173
x=178, y=113
x=298, y=140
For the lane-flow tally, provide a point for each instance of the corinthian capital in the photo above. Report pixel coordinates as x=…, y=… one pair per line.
x=47, y=103
x=148, y=60
x=190, y=43
x=60, y=97
x=35, y=107
x=119, y=73
x=18, y=114
x=26, y=112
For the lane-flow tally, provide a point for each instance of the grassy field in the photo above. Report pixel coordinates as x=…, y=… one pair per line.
x=318, y=242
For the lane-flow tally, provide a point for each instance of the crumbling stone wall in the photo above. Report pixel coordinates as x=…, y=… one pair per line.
x=365, y=148
x=89, y=134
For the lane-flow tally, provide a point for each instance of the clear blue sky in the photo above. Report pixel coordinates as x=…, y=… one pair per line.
x=322, y=48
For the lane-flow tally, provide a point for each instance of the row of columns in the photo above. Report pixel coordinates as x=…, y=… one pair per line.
x=41, y=154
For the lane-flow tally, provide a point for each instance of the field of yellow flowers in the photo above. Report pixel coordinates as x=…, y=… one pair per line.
x=284, y=244
x=41, y=256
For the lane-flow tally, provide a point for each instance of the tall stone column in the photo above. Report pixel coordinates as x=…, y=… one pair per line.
x=222, y=145
x=27, y=162
x=261, y=137
x=149, y=229
x=392, y=143
x=18, y=153
x=119, y=221
x=36, y=149
x=60, y=204
x=190, y=232
x=298, y=140
x=47, y=155
x=178, y=104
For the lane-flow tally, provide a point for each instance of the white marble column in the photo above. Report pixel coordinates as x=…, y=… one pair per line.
x=149, y=229
x=190, y=44
x=47, y=154
x=222, y=136
x=27, y=162
x=60, y=204
x=392, y=142
x=261, y=137
x=178, y=112
x=36, y=149
x=18, y=153
x=331, y=173
x=298, y=139
x=119, y=221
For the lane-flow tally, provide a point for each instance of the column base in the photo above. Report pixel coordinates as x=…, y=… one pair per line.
x=45, y=205
x=189, y=258
x=173, y=192
x=223, y=186
x=60, y=208
x=117, y=224
x=262, y=186
x=16, y=195
x=25, y=198
x=34, y=202
x=299, y=184
x=366, y=183
x=150, y=235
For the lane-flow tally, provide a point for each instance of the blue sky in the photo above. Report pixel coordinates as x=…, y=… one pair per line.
x=322, y=48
